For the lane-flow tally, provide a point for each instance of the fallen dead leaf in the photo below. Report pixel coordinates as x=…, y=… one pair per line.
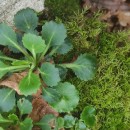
x=13, y=81
x=124, y=18
x=41, y=108
x=111, y=8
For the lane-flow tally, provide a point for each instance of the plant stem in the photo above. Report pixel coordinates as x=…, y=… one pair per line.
x=21, y=50
x=44, y=52
x=53, y=51
x=46, y=49
x=17, y=70
x=62, y=65
x=15, y=44
x=34, y=58
x=14, y=67
x=68, y=65
x=7, y=58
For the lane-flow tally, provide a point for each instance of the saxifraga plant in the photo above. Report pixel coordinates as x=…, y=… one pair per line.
x=38, y=49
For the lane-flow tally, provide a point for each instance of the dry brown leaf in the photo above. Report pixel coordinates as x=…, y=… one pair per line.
x=36, y=128
x=104, y=4
x=13, y=81
x=106, y=16
x=40, y=109
x=86, y=3
x=124, y=18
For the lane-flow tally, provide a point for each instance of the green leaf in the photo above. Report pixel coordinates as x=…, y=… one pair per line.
x=25, y=106
x=26, y=20
x=1, y=128
x=51, y=95
x=13, y=49
x=33, y=32
x=60, y=122
x=13, y=117
x=20, y=62
x=19, y=41
x=3, y=71
x=1, y=53
x=80, y=126
x=53, y=33
x=5, y=58
x=7, y=99
x=69, y=97
x=65, y=47
x=62, y=72
x=35, y=44
x=88, y=116
x=50, y=74
x=44, y=123
x=69, y=121
x=26, y=124
x=29, y=84
x=7, y=35
x=5, y=68
x=3, y=120
x=84, y=67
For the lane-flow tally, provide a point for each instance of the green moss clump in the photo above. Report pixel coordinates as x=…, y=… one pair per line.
x=62, y=8
x=83, y=31
x=109, y=91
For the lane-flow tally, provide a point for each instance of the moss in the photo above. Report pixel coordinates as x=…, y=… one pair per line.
x=109, y=91
x=62, y=8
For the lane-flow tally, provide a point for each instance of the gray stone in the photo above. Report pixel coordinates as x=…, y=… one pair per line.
x=8, y=8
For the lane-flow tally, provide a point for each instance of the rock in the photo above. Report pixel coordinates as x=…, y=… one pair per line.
x=8, y=8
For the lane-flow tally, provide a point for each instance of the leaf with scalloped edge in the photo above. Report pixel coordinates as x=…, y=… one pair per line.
x=24, y=105
x=88, y=116
x=44, y=123
x=7, y=99
x=29, y=84
x=80, y=126
x=62, y=72
x=53, y=33
x=26, y=20
x=50, y=74
x=3, y=120
x=60, y=122
x=35, y=44
x=65, y=47
x=19, y=41
x=69, y=97
x=51, y=95
x=7, y=35
x=69, y=121
x=27, y=124
x=9, y=38
x=13, y=117
x=84, y=67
